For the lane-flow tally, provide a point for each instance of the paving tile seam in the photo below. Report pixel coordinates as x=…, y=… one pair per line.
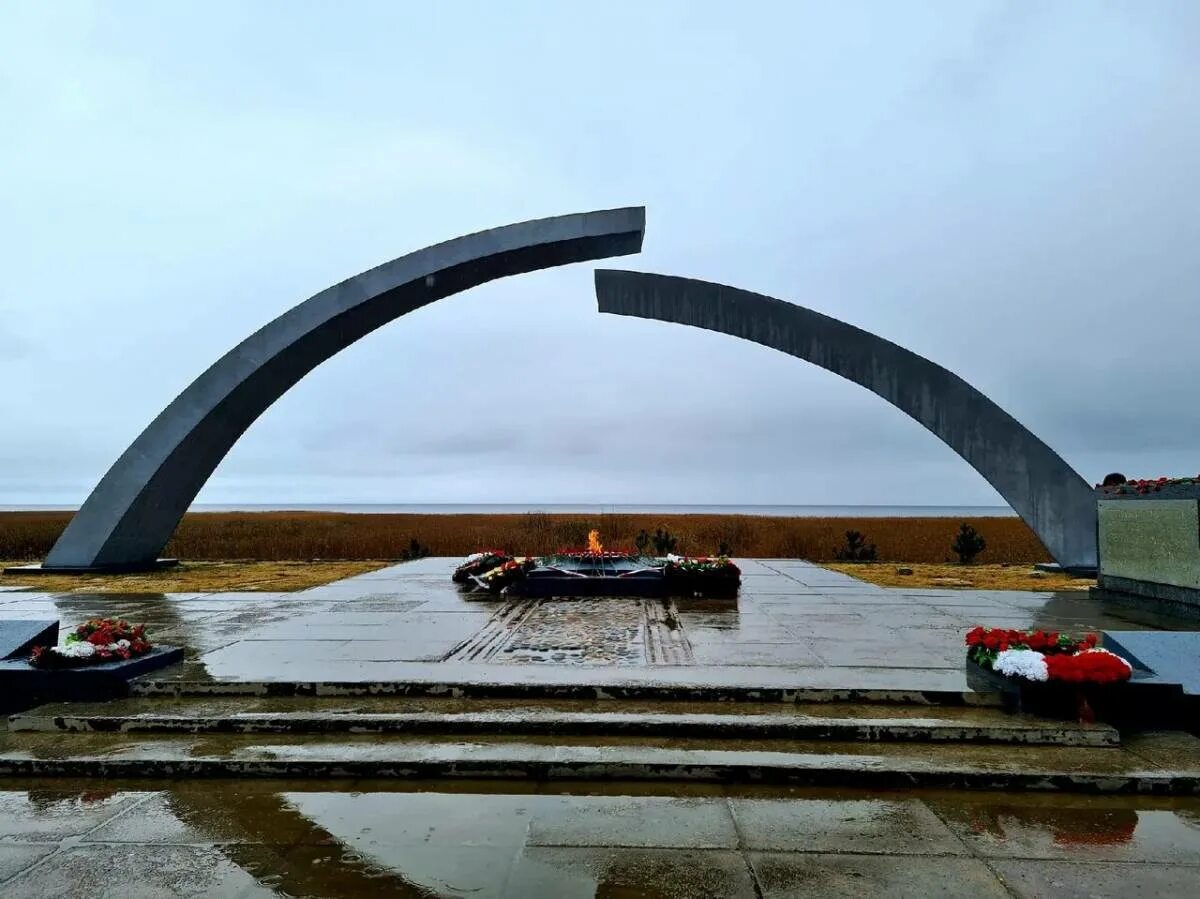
x=970, y=850
x=1000, y=878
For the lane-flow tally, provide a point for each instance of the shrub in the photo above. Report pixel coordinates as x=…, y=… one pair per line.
x=856, y=549
x=663, y=542
x=642, y=542
x=415, y=550
x=967, y=544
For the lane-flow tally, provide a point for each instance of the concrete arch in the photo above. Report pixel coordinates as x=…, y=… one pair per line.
x=1044, y=490
x=132, y=512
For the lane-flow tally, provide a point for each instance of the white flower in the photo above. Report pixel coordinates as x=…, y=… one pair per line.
x=1027, y=663
x=78, y=650
x=120, y=644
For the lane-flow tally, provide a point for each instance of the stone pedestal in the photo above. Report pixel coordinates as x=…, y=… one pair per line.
x=1150, y=549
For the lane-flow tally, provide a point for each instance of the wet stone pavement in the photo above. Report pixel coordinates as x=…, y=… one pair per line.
x=794, y=622
x=380, y=839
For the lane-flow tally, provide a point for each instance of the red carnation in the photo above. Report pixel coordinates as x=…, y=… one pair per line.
x=1090, y=666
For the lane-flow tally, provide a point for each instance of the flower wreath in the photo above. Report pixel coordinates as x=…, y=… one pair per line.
x=95, y=642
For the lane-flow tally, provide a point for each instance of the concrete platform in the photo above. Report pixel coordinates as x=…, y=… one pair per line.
x=386, y=736
x=794, y=626
x=810, y=677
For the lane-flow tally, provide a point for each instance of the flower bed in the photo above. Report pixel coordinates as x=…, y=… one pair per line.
x=95, y=642
x=1145, y=487
x=1042, y=657
x=706, y=576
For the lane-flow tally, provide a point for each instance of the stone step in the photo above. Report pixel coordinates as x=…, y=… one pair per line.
x=531, y=721
x=679, y=685
x=381, y=716
x=864, y=765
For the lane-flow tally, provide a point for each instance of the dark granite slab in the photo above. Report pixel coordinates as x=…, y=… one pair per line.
x=18, y=637
x=22, y=685
x=1172, y=656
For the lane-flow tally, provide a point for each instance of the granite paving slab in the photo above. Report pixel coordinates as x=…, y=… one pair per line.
x=852, y=876
x=584, y=873
x=190, y=871
x=1076, y=880
x=893, y=826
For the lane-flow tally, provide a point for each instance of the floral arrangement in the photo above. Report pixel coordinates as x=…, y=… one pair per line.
x=507, y=573
x=478, y=564
x=1039, y=656
x=94, y=642
x=1142, y=486
x=702, y=565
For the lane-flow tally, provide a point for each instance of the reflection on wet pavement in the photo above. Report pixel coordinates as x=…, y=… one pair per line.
x=410, y=840
x=407, y=620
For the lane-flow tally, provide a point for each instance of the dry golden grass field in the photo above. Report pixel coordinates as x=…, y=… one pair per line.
x=965, y=577
x=305, y=536
x=199, y=577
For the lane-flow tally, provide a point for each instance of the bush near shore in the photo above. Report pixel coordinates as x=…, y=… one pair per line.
x=279, y=536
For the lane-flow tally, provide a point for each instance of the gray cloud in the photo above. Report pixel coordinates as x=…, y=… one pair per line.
x=1007, y=189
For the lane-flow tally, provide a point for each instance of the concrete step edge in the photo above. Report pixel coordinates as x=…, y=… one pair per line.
x=598, y=765
x=665, y=692
x=535, y=722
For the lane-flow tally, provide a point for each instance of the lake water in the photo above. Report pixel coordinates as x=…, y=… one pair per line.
x=597, y=509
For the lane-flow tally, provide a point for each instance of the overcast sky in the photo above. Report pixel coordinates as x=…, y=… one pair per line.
x=1011, y=190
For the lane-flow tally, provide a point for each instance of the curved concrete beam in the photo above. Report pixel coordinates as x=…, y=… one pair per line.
x=1047, y=493
x=132, y=512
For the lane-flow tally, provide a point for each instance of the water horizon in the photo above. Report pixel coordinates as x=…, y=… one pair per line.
x=768, y=511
